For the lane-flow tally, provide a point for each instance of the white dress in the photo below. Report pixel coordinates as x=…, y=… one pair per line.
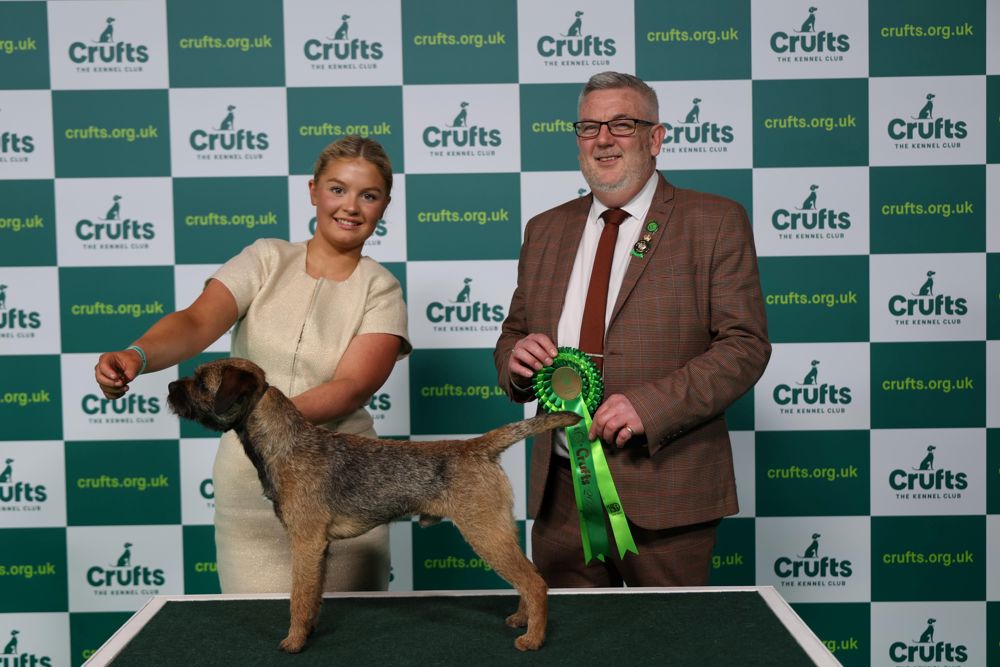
x=296, y=328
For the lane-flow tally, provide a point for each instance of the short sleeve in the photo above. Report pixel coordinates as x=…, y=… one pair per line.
x=385, y=310
x=245, y=274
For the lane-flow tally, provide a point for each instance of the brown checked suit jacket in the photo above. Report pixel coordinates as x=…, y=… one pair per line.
x=687, y=337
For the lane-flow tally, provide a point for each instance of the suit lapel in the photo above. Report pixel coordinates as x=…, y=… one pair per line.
x=660, y=211
x=570, y=232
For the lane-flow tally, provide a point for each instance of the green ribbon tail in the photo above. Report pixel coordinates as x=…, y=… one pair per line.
x=585, y=488
x=613, y=505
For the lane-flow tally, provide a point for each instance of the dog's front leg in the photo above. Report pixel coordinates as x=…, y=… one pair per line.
x=308, y=560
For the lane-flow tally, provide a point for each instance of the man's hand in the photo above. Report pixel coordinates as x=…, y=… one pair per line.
x=616, y=421
x=531, y=353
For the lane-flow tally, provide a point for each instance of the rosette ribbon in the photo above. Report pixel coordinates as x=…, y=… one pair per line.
x=573, y=383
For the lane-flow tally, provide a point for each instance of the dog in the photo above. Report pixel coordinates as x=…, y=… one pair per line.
x=927, y=111
x=114, y=213
x=327, y=485
x=576, y=27
x=927, y=636
x=812, y=551
x=927, y=463
x=927, y=289
x=125, y=560
x=11, y=647
x=227, y=122
x=810, y=203
x=694, y=115
x=809, y=25
x=107, y=35
x=462, y=117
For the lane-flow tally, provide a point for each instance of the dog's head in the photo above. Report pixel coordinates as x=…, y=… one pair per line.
x=220, y=395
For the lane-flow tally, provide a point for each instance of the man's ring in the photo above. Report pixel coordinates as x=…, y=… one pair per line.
x=631, y=433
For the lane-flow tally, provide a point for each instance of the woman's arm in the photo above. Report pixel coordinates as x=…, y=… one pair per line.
x=364, y=368
x=174, y=338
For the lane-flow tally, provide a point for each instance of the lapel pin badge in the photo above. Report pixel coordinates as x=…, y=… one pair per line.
x=641, y=246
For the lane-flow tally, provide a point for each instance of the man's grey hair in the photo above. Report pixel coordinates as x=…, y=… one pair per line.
x=618, y=80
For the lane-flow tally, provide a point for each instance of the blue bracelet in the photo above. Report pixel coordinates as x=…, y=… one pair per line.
x=142, y=355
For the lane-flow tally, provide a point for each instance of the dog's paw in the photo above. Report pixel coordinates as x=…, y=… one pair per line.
x=292, y=644
x=517, y=620
x=523, y=643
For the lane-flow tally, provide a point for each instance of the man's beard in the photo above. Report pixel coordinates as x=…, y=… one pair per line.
x=634, y=173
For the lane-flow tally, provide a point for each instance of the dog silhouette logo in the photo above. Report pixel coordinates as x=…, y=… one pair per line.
x=125, y=560
x=114, y=213
x=694, y=115
x=227, y=122
x=810, y=203
x=464, y=296
x=809, y=25
x=812, y=551
x=811, y=376
x=3, y=297
x=462, y=118
x=6, y=475
x=341, y=33
x=927, y=111
x=927, y=636
x=11, y=647
x=927, y=288
x=107, y=35
x=575, y=28
x=927, y=463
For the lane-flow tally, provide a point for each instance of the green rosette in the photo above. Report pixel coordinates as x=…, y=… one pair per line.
x=573, y=383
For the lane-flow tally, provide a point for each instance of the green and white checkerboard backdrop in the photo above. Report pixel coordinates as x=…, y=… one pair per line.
x=143, y=143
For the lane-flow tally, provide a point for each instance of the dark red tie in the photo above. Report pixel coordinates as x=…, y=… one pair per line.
x=592, y=326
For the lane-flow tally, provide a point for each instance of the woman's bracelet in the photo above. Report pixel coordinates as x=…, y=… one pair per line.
x=142, y=356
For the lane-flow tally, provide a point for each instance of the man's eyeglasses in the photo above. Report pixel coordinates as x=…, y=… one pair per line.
x=619, y=127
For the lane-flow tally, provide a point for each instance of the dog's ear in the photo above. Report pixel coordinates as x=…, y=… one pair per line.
x=236, y=384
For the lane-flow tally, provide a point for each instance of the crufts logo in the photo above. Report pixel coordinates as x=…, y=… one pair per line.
x=927, y=481
x=16, y=322
x=811, y=569
x=926, y=650
x=123, y=577
x=108, y=51
x=464, y=311
x=694, y=135
x=574, y=43
x=15, y=656
x=941, y=308
x=928, y=126
x=806, y=40
x=811, y=396
x=17, y=495
x=459, y=134
x=113, y=227
x=342, y=47
x=14, y=147
x=227, y=139
x=809, y=216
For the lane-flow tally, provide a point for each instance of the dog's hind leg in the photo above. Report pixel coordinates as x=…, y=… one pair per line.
x=308, y=560
x=493, y=537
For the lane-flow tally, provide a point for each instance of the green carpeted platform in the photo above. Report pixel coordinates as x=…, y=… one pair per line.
x=698, y=628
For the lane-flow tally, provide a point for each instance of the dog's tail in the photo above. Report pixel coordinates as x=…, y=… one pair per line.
x=499, y=439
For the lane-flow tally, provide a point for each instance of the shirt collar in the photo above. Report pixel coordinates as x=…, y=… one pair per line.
x=637, y=207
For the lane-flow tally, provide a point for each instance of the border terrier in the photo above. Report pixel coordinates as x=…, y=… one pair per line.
x=327, y=485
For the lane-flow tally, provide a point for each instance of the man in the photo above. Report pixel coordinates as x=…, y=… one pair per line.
x=686, y=336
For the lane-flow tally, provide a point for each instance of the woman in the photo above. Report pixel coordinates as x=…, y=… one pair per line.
x=327, y=325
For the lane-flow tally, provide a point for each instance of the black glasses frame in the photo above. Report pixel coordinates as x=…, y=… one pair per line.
x=598, y=123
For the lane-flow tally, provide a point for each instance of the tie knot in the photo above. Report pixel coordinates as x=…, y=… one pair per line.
x=614, y=216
